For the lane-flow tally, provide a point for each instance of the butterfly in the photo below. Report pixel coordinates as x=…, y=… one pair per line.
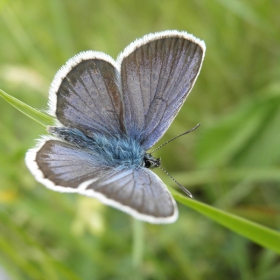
x=109, y=114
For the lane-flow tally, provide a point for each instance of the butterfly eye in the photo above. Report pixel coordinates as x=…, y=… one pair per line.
x=151, y=162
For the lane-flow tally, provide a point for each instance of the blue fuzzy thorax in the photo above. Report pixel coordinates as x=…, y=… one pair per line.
x=118, y=152
x=113, y=151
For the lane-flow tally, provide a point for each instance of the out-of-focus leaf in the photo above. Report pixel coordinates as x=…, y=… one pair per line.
x=38, y=116
x=248, y=137
x=263, y=236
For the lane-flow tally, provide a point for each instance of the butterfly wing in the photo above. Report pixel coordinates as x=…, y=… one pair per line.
x=139, y=95
x=85, y=94
x=157, y=74
x=139, y=192
x=62, y=167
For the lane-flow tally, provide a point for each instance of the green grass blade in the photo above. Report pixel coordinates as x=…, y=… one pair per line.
x=261, y=235
x=36, y=115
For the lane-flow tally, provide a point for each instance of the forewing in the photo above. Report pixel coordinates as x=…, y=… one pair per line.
x=85, y=94
x=157, y=74
x=61, y=166
x=139, y=193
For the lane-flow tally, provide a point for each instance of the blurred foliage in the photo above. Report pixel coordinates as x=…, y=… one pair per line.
x=232, y=161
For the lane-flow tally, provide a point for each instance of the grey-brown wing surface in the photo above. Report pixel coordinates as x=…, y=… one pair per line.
x=157, y=74
x=63, y=167
x=85, y=94
x=138, y=192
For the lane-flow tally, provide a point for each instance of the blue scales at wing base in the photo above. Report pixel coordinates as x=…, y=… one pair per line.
x=116, y=151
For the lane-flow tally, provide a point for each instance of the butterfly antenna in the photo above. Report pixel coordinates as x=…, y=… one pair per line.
x=180, y=186
x=194, y=128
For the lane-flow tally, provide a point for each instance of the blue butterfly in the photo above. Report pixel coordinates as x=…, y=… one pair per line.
x=109, y=114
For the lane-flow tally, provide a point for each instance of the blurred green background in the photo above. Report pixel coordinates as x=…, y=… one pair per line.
x=232, y=161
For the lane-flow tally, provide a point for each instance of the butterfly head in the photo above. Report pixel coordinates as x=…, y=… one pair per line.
x=150, y=161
